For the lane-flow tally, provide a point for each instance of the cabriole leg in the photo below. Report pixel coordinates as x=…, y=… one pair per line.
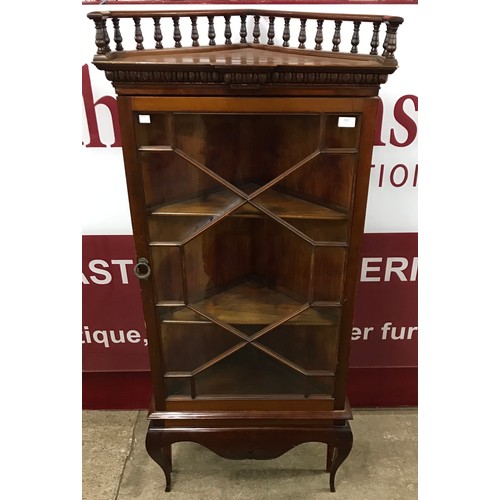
x=343, y=446
x=160, y=452
x=329, y=457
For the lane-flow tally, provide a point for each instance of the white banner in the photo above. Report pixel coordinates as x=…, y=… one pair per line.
x=392, y=199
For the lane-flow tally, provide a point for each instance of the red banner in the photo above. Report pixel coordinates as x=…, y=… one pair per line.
x=385, y=323
x=113, y=331
x=386, y=316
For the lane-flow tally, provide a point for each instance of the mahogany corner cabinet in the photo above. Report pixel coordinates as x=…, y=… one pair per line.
x=247, y=147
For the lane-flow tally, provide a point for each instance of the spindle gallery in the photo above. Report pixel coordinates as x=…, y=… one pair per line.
x=166, y=32
x=171, y=25
x=247, y=146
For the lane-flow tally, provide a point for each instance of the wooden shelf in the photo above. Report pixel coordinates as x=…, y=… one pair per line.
x=281, y=204
x=291, y=207
x=251, y=304
x=248, y=303
x=211, y=204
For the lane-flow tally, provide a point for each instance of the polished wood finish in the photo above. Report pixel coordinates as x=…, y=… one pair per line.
x=227, y=67
x=260, y=443
x=247, y=166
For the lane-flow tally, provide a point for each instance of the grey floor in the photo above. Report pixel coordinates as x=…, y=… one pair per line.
x=382, y=464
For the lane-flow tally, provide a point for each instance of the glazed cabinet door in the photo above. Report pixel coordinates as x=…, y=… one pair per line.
x=249, y=213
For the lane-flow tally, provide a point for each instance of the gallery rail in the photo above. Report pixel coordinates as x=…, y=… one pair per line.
x=258, y=21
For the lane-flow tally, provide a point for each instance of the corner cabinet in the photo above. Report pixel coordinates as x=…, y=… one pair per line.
x=247, y=164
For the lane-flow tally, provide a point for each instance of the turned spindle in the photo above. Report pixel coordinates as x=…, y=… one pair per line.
x=194, y=31
x=319, y=35
x=106, y=36
x=355, y=38
x=243, y=29
x=390, y=40
x=302, y=34
x=138, y=34
x=177, y=33
x=117, y=36
x=227, y=30
x=336, y=36
x=158, y=36
x=270, y=31
x=256, y=29
x=99, y=35
x=211, y=30
x=286, y=32
x=374, y=43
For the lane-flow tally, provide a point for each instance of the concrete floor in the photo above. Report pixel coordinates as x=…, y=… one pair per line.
x=382, y=464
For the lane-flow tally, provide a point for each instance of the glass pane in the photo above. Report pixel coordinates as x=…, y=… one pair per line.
x=249, y=371
x=326, y=180
x=240, y=264
x=309, y=339
x=178, y=386
x=243, y=263
x=166, y=267
x=188, y=346
x=342, y=131
x=319, y=222
x=173, y=185
x=247, y=150
x=326, y=230
x=175, y=229
x=320, y=385
x=153, y=129
x=328, y=273
x=179, y=314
